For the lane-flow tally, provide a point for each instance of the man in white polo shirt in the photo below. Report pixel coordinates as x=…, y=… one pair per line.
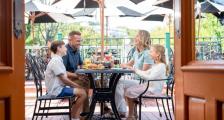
x=57, y=80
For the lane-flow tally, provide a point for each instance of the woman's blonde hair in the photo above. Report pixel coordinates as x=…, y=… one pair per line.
x=162, y=58
x=145, y=38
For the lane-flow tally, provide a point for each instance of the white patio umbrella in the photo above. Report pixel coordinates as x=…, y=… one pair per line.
x=41, y=13
x=101, y=5
x=160, y=14
x=141, y=6
x=109, y=12
x=164, y=3
x=211, y=7
x=88, y=4
x=136, y=1
x=135, y=23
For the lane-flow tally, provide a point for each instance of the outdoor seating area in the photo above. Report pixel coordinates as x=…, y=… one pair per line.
x=123, y=73
x=104, y=94
x=36, y=63
x=111, y=60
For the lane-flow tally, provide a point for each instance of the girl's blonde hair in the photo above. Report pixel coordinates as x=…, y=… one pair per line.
x=161, y=51
x=145, y=38
x=162, y=58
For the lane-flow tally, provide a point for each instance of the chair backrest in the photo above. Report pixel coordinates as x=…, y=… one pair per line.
x=171, y=69
x=130, y=53
x=170, y=86
x=38, y=76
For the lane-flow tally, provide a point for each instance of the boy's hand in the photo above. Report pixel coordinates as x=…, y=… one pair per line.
x=123, y=66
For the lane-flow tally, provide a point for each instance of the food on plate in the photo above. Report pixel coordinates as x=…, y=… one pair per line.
x=87, y=61
x=92, y=66
x=100, y=66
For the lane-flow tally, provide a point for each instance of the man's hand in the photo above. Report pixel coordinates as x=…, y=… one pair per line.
x=83, y=78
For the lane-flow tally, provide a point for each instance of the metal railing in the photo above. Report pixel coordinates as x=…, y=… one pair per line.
x=207, y=48
x=210, y=48
x=119, y=47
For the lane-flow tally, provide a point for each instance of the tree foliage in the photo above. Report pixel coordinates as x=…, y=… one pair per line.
x=209, y=26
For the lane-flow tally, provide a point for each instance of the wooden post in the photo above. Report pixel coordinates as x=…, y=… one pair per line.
x=32, y=19
x=101, y=5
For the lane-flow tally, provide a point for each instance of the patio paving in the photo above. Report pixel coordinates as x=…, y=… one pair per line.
x=149, y=112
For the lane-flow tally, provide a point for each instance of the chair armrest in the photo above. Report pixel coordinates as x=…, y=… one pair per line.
x=148, y=82
x=160, y=79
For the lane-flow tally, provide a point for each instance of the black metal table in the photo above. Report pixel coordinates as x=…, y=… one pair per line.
x=104, y=94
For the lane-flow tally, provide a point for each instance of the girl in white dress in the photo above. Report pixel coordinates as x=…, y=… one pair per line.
x=157, y=71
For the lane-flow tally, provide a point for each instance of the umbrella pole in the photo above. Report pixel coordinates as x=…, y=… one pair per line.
x=32, y=30
x=107, y=40
x=169, y=22
x=101, y=5
x=32, y=19
x=199, y=23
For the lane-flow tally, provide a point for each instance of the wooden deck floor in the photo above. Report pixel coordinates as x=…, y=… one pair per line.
x=148, y=113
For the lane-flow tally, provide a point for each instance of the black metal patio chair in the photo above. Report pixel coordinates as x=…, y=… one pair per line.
x=168, y=95
x=42, y=109
x=169, y=91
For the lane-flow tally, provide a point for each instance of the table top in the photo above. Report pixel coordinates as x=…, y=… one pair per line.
x=112, y=70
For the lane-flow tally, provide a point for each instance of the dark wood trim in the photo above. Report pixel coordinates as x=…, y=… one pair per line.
x=203, y=79
x=12, y=64
x=187, y=24
x=6, y=33
x=2, y=64
x=184, y=50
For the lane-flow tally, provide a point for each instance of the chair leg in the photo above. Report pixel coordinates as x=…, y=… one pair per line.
x=140, y=108
x=70, y=109
x=34, y=110
x=39, y=109
x=160, y=114
x=168, y=109
x=115, y=110
x=44, y=107
x=172, y=104
x=136, y=110
x=92, y=109
x=49, y=104
x=164, y=110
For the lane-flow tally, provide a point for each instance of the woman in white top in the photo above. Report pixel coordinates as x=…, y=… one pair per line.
x=157, y=71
